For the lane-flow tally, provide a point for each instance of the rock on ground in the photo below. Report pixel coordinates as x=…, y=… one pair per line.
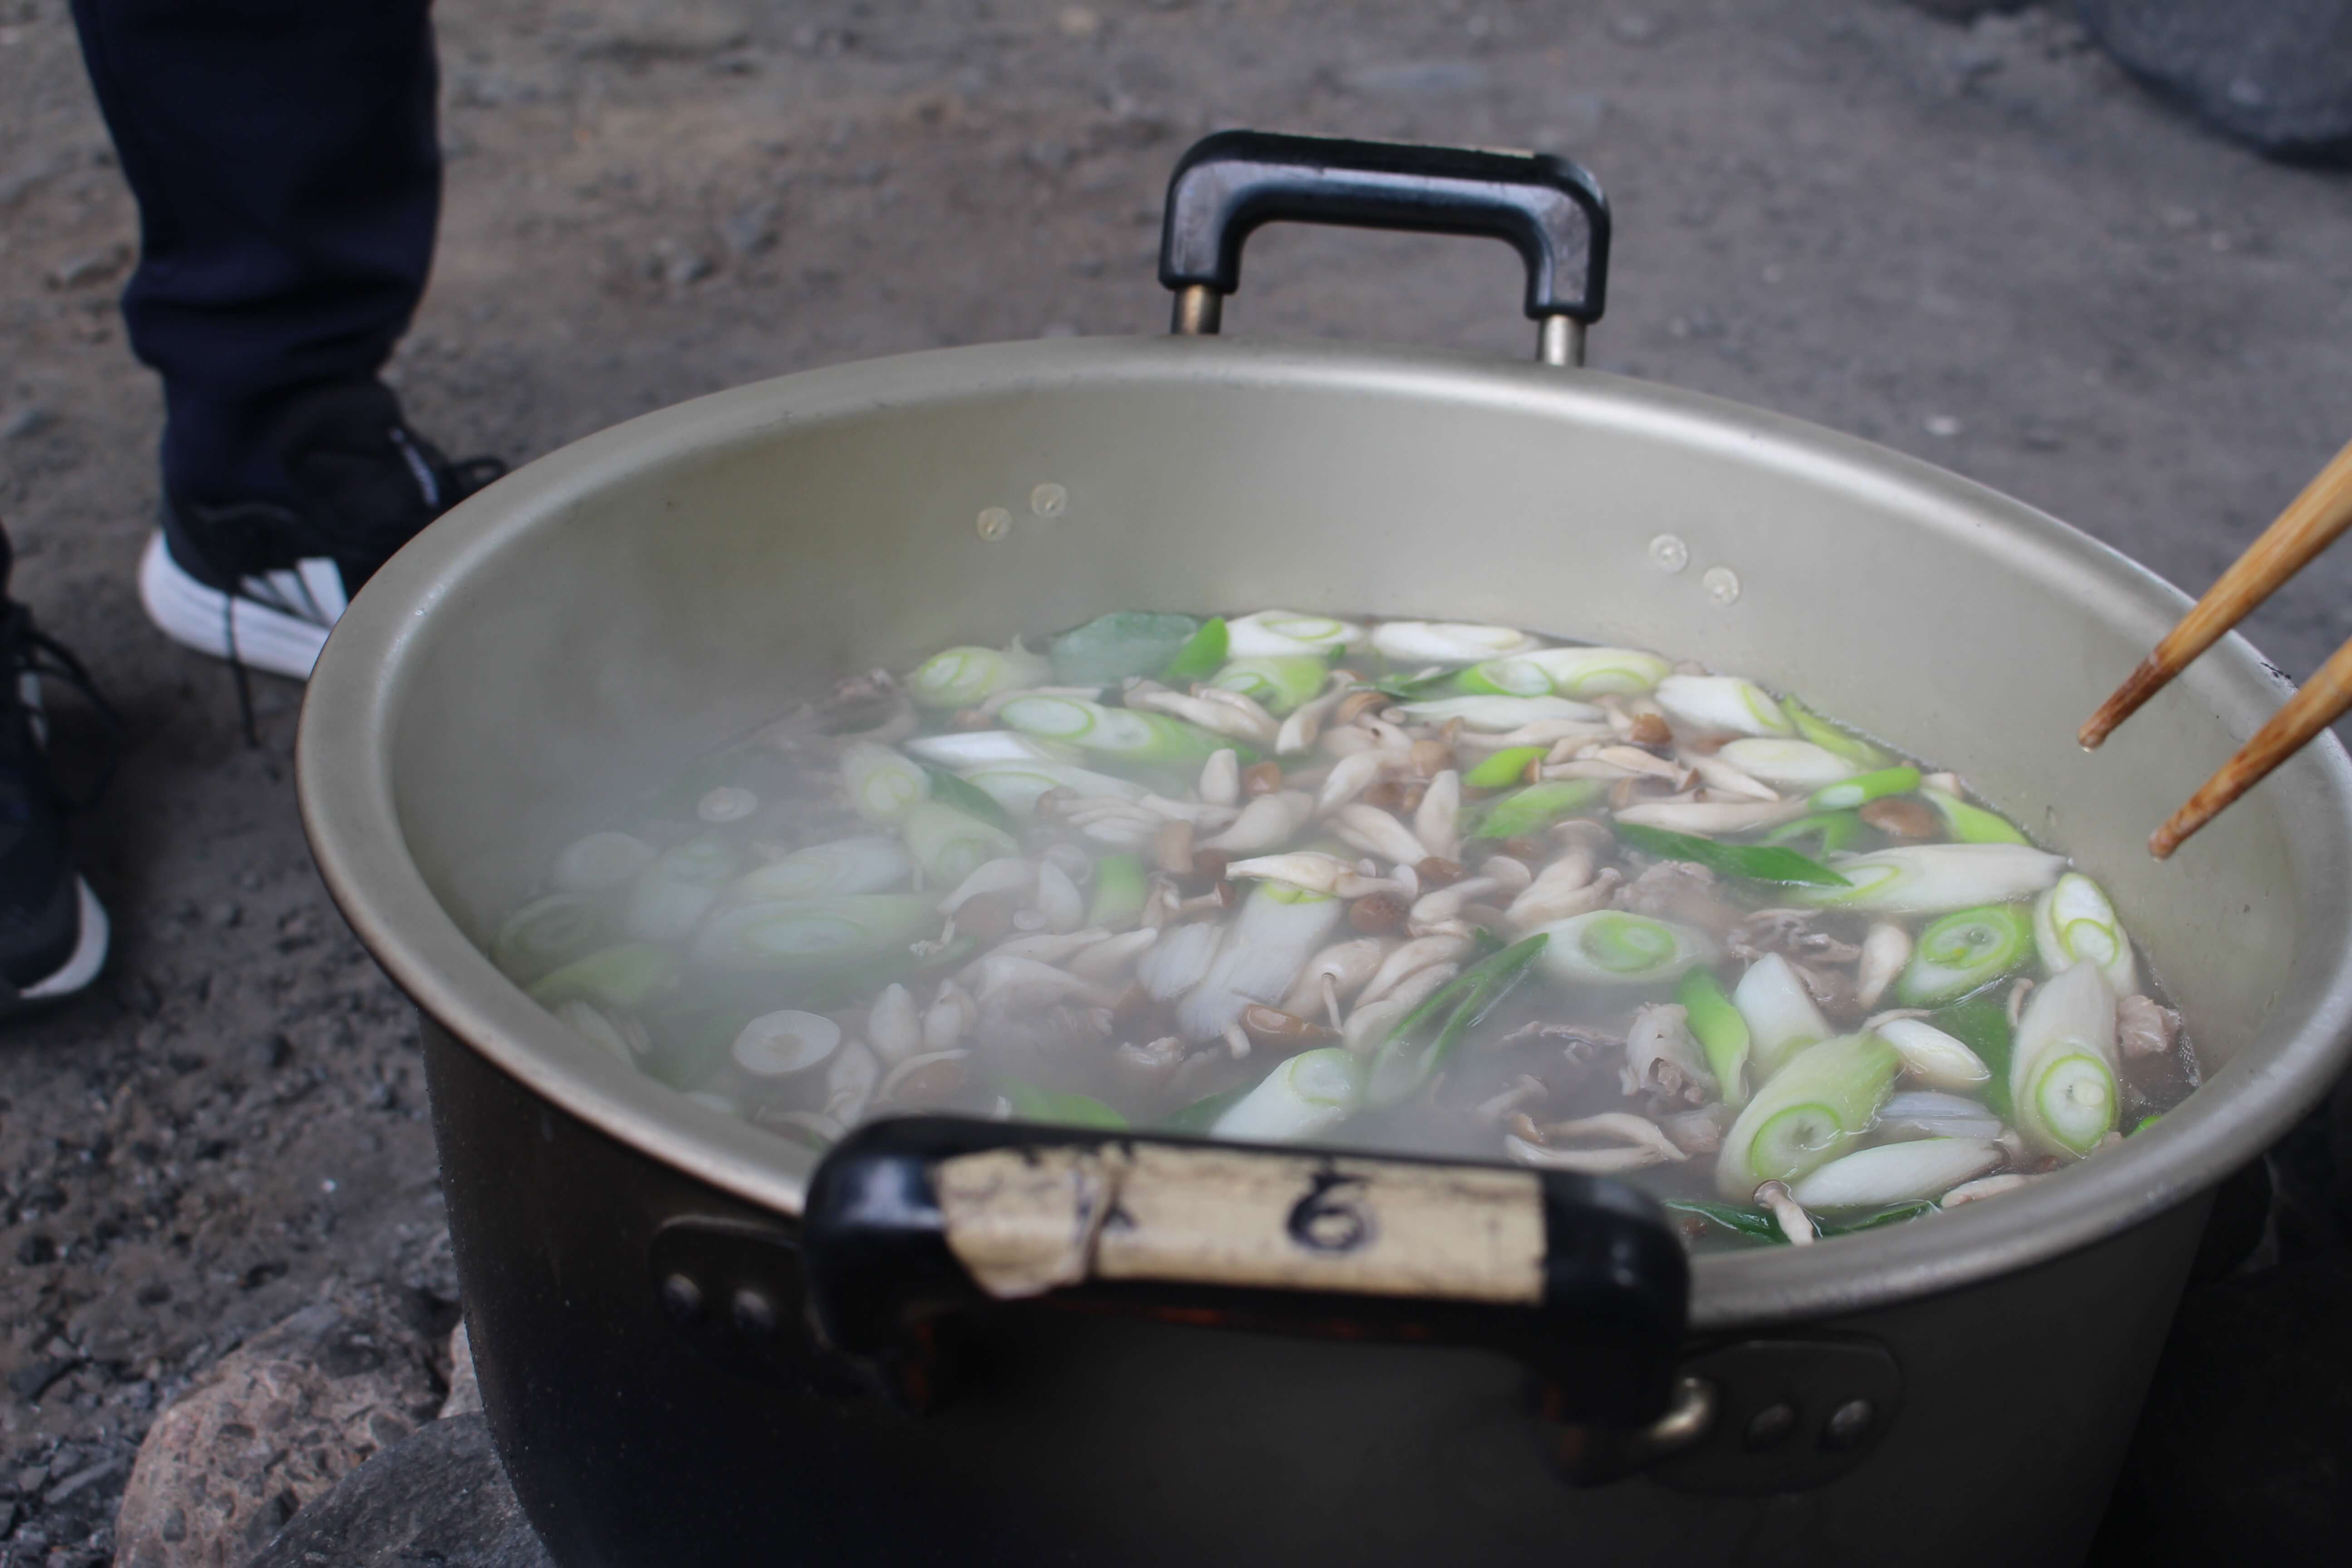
x=2274, y=73
x=268, y=1428
x=439, y=1497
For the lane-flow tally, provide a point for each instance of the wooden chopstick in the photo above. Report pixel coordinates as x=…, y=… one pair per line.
x=2311, y=521
x=2323, y=700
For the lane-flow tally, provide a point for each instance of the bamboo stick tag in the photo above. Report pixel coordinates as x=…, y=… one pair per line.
x=1024, y=1221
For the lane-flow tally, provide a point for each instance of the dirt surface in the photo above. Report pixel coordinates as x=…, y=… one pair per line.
x=1982, y=245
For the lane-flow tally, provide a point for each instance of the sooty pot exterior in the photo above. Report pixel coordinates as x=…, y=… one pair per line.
x=645, y=1425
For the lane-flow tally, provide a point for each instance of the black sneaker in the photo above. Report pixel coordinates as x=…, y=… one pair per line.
x=261, y=584
x=53, y=930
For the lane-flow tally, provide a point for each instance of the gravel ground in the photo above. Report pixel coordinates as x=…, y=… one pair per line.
x=1982, y=245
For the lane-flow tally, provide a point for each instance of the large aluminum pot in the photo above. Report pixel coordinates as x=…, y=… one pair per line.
x=1957, y=1390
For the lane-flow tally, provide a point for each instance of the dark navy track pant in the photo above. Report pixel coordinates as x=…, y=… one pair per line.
x=286, y=166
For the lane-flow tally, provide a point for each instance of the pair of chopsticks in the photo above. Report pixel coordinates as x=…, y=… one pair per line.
x=2311, y=521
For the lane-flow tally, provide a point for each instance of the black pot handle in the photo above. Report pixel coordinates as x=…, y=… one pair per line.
x=1547, y=208
x=911, y=1222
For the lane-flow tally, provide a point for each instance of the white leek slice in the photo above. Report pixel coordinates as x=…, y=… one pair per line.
x=1896, y=1173
x=1933, y=1113
x=2062, y=1069
x=2074, y=922
x=806, y=935
x=869, y=864
x=1615, y=947
x=1179, y=961
x=677, y=890
x=967, y=676
x=1277, y=682
x=1279, y=929
x=1807, y=1114
x=1308, y=1095
x=950, y=845
x=1781, y=1017
x=1723, y=704
x=1933, y=1056
x=1449, y=642
x=1493, y=714
x=1589, y=672
x=549, y=932
x=774, y=1045
x=1131, y=732
x=961, y=749
x=1787, y=764
x=1935, y=879
x=883, y=784
x=1017, y=787
x=600, y=861
x=1273, y=633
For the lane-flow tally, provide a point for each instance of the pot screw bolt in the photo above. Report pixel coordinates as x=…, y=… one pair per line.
x=754, y=1315
x=1769, y=1425
x=993, y=523
x=681, y=1298
x=1669, y=553
x=1049, y=500
x=1848, y=1425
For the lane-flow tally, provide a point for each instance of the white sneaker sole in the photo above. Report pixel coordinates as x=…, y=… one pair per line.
x=276, y=623
x=88, y=953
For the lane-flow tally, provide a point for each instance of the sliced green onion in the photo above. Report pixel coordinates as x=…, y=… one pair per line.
x=1807, y=1114
x=1109, y=648
x=600, y=861
x=1785, y=763
x=1132, y=733
x=1754, y=862
x=1120, y=890
x=1936, y=879
x=884, y=784
x=1896, y=1173
x=1781, y=1016
x=625, y=976
x=2061, y=1074
x=1018, y=786
x=953, y=789
x=1504, y=768
x=1285, y=631
x=1720, y=1031
x=1722, y=703
x=1493, y=715
x=1962, y=951
x=549, y=932
x=1614, y=947
x=2076, y=923
x=678, y=888
x=1851, y=792
x=1971, y=824
x=967, y=676
x=1836, y=829
x=1528, y=812
x=1303, y=1097
x=1448, y=642
x=1423, y=1039
x=809, y=935
x=1203, y=655
x=1589, y=672
x=963, y=749
x=1832, y=738
x=869, y=864
x=950, y=845
x=1059, y=1108
x=1279, y=682
x=1503, y=678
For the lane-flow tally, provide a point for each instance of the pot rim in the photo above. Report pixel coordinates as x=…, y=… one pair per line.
x=343, y=768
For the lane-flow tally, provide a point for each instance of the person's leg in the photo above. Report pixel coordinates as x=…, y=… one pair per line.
x=288, y=177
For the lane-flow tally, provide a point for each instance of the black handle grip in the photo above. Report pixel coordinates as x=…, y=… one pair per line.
x=1548, y=209
x=911, y=1221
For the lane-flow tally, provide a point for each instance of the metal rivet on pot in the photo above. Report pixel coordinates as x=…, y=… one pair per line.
x=1849, y=1423
x=681, y=1298
x=1049, y=500
x=1722, y=585
x=994, y=522
x=754, y=1313
x=1669, y=553
x=1771, y=1425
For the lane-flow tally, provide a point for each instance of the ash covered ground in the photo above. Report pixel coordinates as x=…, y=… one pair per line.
x=1982, y=245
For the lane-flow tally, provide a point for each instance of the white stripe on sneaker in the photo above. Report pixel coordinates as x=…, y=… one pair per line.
x=89, y=954
x=272, y=625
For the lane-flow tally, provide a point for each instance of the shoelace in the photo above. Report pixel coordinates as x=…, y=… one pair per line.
x=26, y=649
